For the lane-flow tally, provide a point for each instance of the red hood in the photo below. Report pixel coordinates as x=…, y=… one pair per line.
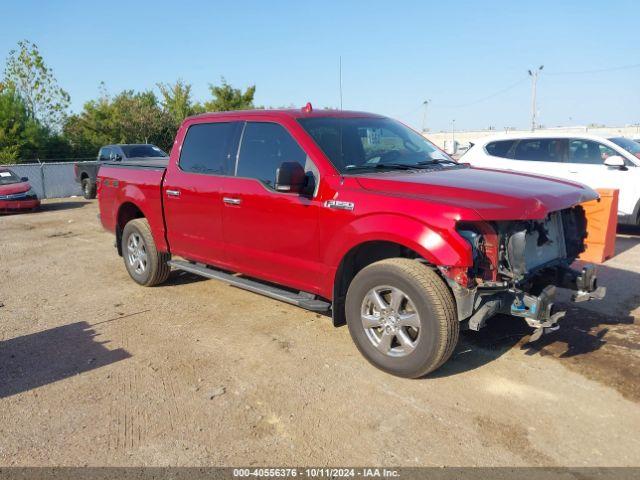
x=14, y=188
x=493, y=194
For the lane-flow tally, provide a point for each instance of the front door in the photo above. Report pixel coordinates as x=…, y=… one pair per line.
x=269, y=234
x=585, y=164
x=191, y=191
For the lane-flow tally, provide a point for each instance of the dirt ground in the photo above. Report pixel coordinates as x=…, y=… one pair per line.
x=95, y=370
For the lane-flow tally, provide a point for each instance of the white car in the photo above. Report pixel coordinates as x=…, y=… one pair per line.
x=589, y=159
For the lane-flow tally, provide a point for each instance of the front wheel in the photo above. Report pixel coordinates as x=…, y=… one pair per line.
x=402, y=317
x=144, y=263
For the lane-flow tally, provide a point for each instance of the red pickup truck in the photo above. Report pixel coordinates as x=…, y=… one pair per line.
x=356, y=214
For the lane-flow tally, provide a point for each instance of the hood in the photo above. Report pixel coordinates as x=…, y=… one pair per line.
x=14, y=188
x=493, y=194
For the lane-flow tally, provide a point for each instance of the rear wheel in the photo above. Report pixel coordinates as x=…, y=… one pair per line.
x=88, y=189
x=402, y=317
x=144, y=263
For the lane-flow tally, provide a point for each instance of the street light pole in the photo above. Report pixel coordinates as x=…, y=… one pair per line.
x=424, y=118
x=453, y=131
x=534, y=80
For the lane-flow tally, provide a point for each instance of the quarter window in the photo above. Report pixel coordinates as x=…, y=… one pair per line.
x=588, y=151
x=208, y=148
x=501, y=148
x=539, y=150
x=265, y=146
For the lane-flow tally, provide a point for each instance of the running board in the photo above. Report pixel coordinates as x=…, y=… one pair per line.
x=302, y=299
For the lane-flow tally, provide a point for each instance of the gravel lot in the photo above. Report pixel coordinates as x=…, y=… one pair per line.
x=95, y=370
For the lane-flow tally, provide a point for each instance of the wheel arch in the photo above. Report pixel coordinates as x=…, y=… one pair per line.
x=362, y=255
x=126, y=212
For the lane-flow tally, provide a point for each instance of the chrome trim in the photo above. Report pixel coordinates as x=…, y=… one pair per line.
x=231, y=201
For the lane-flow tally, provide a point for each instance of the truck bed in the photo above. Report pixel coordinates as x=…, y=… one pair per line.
x=141, y=181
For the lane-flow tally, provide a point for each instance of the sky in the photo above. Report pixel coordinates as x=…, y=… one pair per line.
x=469, y=59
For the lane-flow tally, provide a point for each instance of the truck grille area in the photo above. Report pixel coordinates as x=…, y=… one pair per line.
x=528, y=246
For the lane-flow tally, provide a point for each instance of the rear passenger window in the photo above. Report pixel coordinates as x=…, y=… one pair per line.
x=500, y=148
x=539, y=150
x=208, y=148
x=264, y=147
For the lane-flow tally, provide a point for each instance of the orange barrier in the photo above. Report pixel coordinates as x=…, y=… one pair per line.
x=602, y=219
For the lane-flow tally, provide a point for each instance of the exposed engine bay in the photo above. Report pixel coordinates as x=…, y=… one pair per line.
x=517, y=266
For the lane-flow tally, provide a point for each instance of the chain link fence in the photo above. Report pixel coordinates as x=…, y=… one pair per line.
x=49, y=179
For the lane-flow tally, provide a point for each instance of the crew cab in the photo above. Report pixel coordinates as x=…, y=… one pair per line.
x=354, y=214
x=86, y=172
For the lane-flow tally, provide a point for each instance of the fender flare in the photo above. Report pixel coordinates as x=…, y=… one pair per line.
x=442, y=247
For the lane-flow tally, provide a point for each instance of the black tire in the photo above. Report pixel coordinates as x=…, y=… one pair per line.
x=156, y=270
x=88, y=189
x=426, y=294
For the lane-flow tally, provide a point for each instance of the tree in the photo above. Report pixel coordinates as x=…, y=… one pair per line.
x=20, y=135
x=176, y=101
x=129, y=117
x=34, y=82
x=225, y=97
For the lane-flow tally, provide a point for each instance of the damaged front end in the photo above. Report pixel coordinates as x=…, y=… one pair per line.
x=517, y=266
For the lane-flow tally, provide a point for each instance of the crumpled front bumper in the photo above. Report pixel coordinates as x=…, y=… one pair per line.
x=536, y=306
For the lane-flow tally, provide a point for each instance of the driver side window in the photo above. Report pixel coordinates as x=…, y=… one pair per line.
x=265, y=146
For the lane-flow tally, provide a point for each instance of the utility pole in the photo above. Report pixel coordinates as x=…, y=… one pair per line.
x=534, y=80
x=424, y=118
x=340, y=77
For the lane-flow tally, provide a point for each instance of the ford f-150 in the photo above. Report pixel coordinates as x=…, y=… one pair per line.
x=354, y=214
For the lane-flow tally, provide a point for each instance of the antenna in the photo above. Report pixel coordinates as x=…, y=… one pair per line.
x=340, y=76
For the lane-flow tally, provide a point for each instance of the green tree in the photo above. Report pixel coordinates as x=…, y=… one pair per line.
x=129, y=117
x=225, y=97
x=28, y=74
x=20, y=135
x=176, y=101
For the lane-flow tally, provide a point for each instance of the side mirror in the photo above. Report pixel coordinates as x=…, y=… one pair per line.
x=290, y=177
x=24, y=179
x=614, y=161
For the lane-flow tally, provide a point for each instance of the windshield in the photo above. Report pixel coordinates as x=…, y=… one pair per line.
x=628, y=144
x=133, y=151
x=7, y=177
x=356, y=144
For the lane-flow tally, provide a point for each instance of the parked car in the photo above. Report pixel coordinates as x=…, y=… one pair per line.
x=356, y=214
x=87, y=172
x=595, y=161
x=16, y=193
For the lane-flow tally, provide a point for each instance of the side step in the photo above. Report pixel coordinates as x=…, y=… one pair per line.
x=302, y=299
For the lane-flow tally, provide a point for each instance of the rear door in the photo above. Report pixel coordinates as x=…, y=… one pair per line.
x=191, y=191
x=542, y=156
x=269, y=234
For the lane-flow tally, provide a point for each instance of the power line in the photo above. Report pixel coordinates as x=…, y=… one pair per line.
x=488, y=97
x=598, y=70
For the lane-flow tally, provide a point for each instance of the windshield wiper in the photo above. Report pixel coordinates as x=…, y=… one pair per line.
x=380, y=166
x=434, y=161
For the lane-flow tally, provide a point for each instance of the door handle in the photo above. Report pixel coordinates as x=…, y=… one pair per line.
x=231, y=201
x=173, y=193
